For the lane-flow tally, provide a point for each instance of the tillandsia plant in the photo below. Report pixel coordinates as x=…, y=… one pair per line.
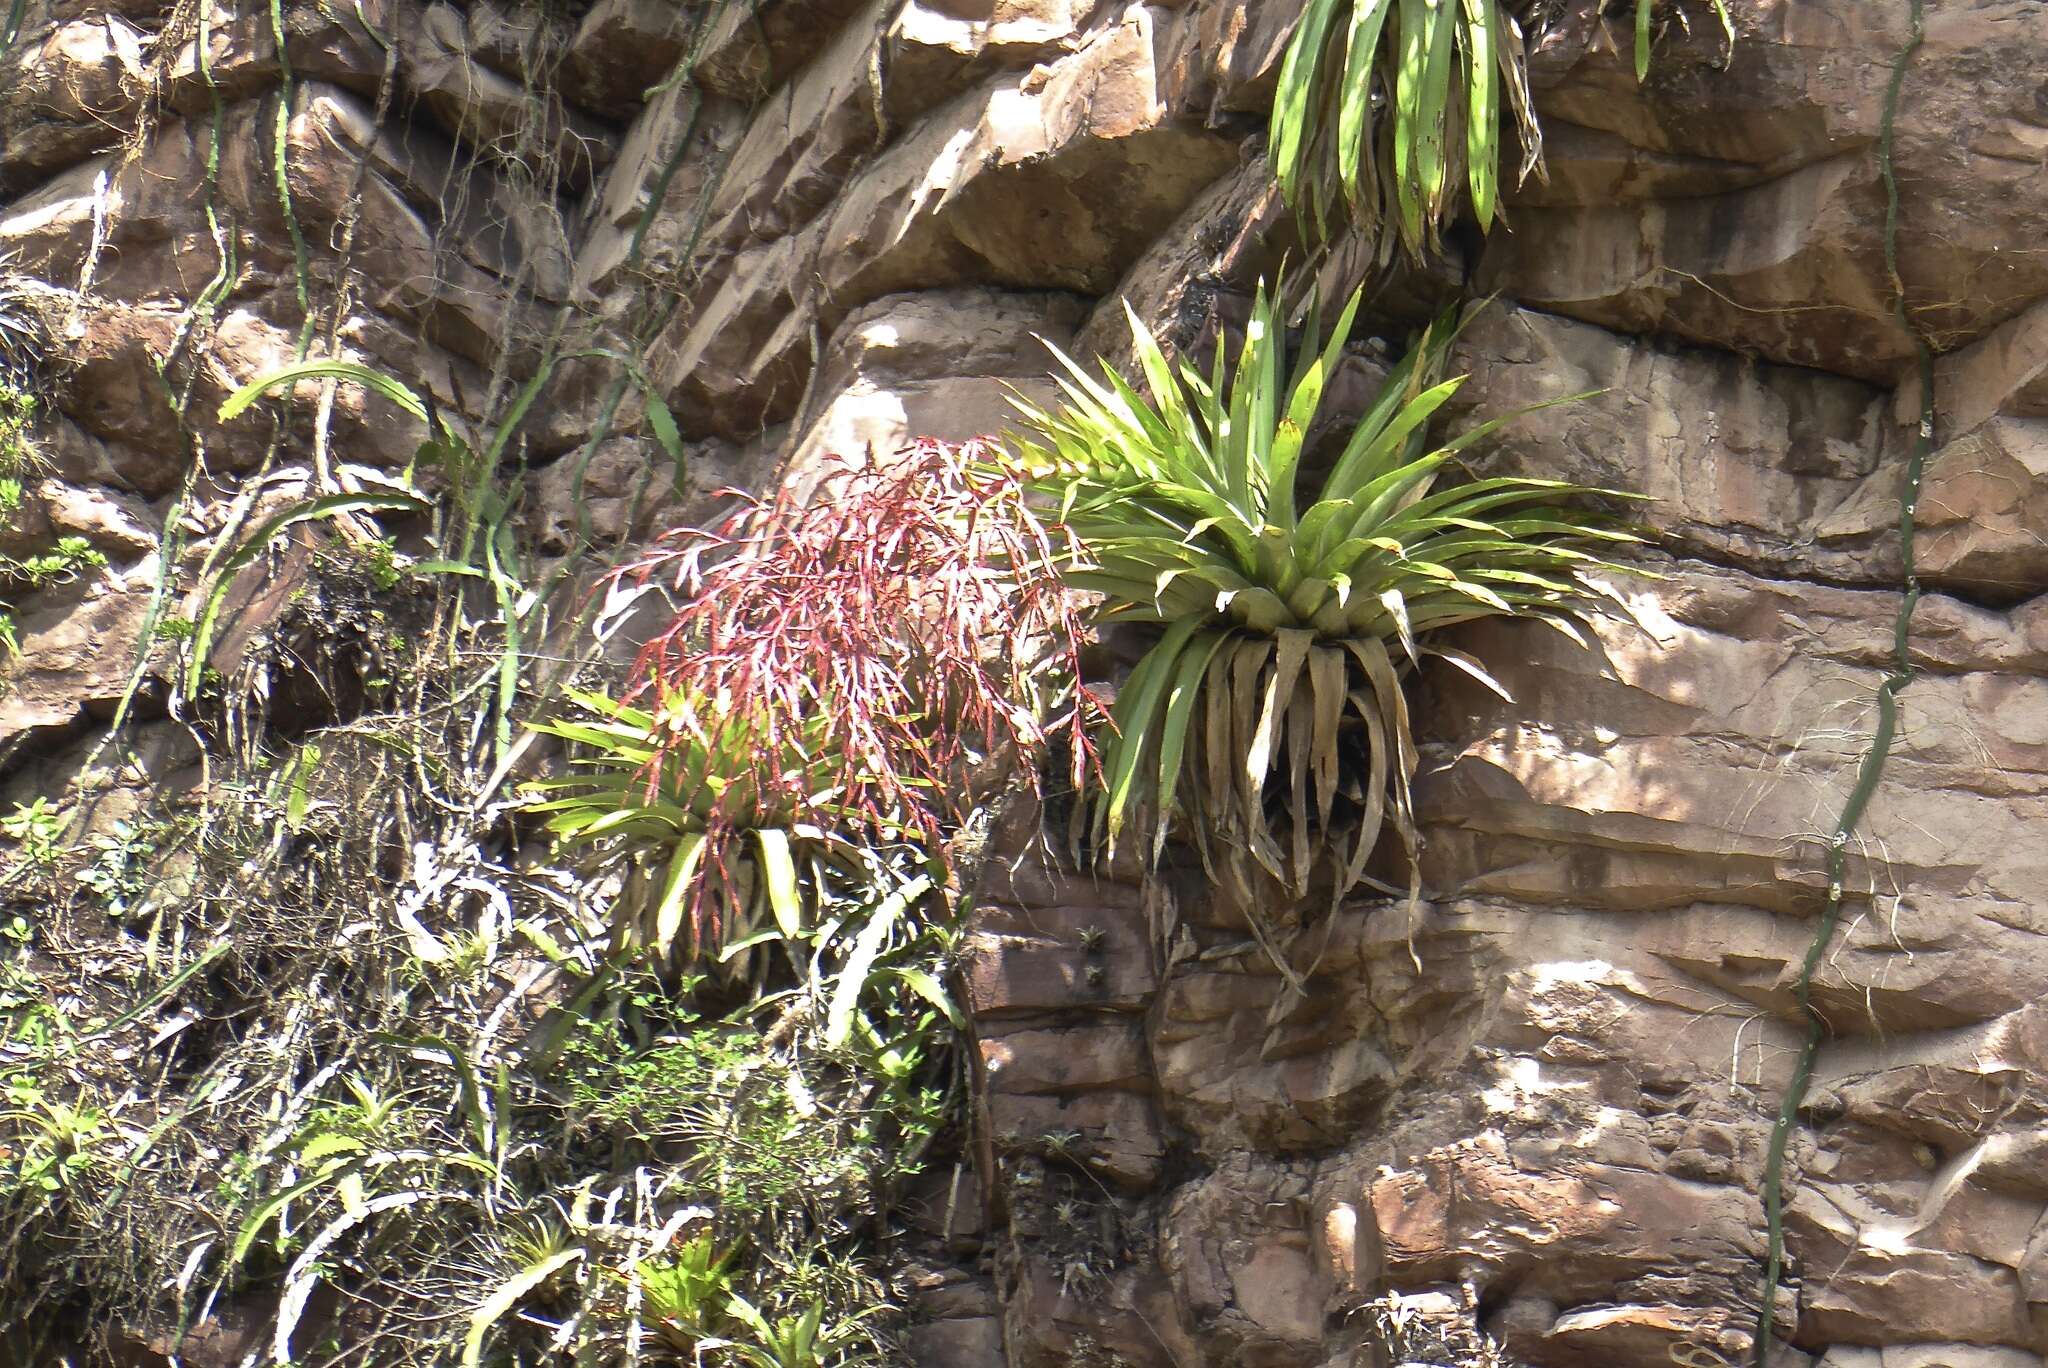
x=838, y=676
x=1269, y=712
x=1390, y=107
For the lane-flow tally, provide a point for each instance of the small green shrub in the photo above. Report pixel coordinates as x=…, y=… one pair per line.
x=18, y=454
x=65, y=561
x=684, y=1293
x=1269, y=710
x=62, y=563
x=797, y=1340
x=51, y=1147
x=37, y=829
x=119, y=872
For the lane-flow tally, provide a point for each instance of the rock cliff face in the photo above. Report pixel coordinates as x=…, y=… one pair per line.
x=1528, y=1120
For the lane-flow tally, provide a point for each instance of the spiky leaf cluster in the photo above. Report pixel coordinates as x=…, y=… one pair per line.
x=1269, y=710
x=1386, y=109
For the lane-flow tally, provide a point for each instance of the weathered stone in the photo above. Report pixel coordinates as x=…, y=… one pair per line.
x=119, y=525
x=970, y=1343
x=496, y=112
x=1682, y=676
x=323, y=43
x=935, y=49
x=1778, y=250
x=1182, y=287
x=621, y=50
x=629, y=488
x=748, y=50
x=937, y=209
x=1226, y=56
x=677, y=147
x=1236, y=1248
x=935, y=364
x=1077, y=1059
x=1114, y=1135
x=1329, y=1066
x=1740, y=458
x=951, y=1203
x=69, y=97
x=800, y=144
x=1012, y=974
x=1912, y=1295
x=77, y=645
x=462, y=303
x=1053, y=1319
x=1982, y=512
x=1634, y=1334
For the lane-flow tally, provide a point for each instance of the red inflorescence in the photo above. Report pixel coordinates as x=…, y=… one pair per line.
x=911, y=606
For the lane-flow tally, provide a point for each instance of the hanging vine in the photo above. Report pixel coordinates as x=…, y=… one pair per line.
x=301, y=261
x=1871, y=769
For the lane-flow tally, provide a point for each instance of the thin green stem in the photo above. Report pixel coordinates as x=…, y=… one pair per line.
x=301, y=260
x=1871, y=770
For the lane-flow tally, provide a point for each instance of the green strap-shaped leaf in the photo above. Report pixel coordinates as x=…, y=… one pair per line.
x=1354, y=111
x=505, y=1297
x=1369, y=454
x=930, y=989
x=499, y=554
x=1432, y=159
x=1173, y=732
x=1137, y=706
x=778, y=876
x=1294, y=106
x=1410, y=72
x=238, y=402
x=1289, y=656
x=1482, y=123
x=676, y=889
x=1326, y=690
x=1302, y=404
x=867, y=946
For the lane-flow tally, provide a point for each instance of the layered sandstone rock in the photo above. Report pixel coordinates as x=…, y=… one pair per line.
x=1528, y=1119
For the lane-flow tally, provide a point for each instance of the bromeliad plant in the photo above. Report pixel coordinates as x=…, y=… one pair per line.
x=1269, y=712
x=837, y=676
x=706, y=857
x=1388, y=107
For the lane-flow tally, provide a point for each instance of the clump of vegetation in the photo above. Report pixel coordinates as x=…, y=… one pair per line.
x=422, y=1113
x=18, y=454
x=1389, y=113
x=65, y=560
x=836, y=678
x=1283, y=610
x=911, y=604
x=1388, y=109
x=37, y=829
x=423, y=1102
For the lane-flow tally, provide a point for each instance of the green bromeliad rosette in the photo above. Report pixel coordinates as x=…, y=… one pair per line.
x=1268, y=717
